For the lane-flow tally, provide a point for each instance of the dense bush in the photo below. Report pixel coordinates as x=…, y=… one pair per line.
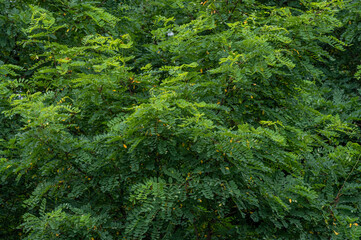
x=178, y=119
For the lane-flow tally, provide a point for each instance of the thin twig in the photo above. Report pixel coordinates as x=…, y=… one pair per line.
x=339, y=191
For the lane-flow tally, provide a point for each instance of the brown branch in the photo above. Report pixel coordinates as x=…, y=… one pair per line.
x=209, y=231
x=195, y=229
x=230, y=17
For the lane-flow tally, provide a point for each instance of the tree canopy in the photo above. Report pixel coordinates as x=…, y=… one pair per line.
x=169, y=119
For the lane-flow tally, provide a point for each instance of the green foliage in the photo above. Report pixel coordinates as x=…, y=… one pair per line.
x=179, y=120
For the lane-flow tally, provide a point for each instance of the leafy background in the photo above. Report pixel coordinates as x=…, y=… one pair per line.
x=180, y=119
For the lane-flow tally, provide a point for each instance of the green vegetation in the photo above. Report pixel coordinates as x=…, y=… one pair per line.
x=169, y=119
